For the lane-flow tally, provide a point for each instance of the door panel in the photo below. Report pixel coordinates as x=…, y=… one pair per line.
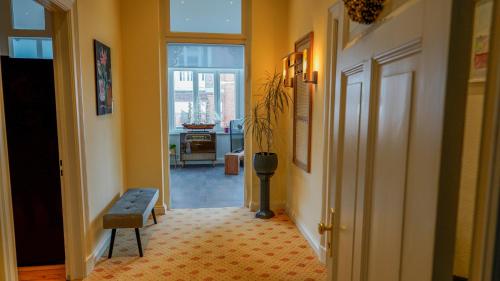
x=390, y=170
x=349, y=174
x=31, y=124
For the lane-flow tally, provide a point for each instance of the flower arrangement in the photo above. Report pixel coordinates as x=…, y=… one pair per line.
x=364, y=11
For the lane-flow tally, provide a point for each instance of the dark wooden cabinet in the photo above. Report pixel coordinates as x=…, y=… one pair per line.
x=198, y=146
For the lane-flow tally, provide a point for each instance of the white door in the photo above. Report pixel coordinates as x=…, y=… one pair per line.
x=389, y=108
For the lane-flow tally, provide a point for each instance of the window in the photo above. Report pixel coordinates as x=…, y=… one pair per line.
x=27, y=14
x=206, y=16
x=227, y=98
x=29, y=36
x=30, y=48
x=207, y=88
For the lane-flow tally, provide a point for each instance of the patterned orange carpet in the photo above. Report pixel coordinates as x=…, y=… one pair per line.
x=212, y=245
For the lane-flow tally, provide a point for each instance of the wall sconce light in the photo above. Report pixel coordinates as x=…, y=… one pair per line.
x=299, y=62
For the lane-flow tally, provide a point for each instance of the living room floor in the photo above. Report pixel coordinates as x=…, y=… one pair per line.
x=205, y=186
x=212, y=245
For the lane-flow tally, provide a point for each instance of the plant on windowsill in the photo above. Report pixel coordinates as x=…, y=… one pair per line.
x=173, y=149
x=261, y=123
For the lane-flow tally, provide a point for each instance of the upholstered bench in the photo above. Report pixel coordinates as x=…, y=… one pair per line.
x=131, y=211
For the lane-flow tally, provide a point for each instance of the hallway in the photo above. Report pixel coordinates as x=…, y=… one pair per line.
x=204, y=186
x=213, y=244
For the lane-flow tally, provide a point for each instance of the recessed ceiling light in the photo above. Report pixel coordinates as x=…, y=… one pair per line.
x=231, y=2
x=182, y=2
x=187, y=19
x=228, y=20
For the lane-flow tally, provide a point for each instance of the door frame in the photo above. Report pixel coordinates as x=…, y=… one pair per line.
x=167, y=37
x=487, y=199
x=7, y=241
x=329, y=119
x=71, y=149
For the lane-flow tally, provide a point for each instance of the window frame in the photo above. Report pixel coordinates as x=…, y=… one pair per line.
x=39, y=46
x=239, y=105
x=7, y=26
x=196, y=37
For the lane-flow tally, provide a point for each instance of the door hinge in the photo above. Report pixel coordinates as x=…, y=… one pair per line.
x=61, y=167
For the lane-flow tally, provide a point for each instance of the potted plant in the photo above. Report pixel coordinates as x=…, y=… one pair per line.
x=261, y=124
x=173, y=150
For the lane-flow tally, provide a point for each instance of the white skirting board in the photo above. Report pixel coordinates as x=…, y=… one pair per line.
x=319, y=249
x=98, y=252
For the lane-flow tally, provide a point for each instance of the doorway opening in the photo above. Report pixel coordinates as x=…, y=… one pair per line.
x=206, y=109
x=474, y=117
x=32, y=134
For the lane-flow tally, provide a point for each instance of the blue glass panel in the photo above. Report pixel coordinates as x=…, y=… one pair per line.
x=47, y=52
x=28, y=14
x=24, y=48
x=31, y=48
x=206, y=56
x=205, y=16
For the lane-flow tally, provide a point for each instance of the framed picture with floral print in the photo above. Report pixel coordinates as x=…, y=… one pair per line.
x=481, y=40
x=103, y=81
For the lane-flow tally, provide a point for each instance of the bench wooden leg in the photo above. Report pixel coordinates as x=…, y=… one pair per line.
x=138, y=236
x=111, y=243
x=154, y=215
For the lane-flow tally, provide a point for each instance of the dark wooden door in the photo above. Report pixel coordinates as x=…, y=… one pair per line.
x=30, y=114
x=496, y=264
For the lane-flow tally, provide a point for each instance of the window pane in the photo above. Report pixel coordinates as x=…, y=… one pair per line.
x=183, y=97
x=206, y=98
x=28, y=14
x=205, y=16
x=31, y=48
x=202, y=56
x=227, y=98
x=47, y=52
x=24, y=48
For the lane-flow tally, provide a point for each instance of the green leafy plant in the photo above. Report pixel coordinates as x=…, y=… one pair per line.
x=173, y=146
x=261, y=122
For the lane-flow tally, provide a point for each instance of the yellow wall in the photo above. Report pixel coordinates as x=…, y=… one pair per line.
x=142, y=107
x=268, y=45
x=100, y=19
x=468, y=178
x=305, y=190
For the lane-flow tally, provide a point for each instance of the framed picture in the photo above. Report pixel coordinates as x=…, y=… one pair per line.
x=103, y=81
x=302, y=109
x=481, y=40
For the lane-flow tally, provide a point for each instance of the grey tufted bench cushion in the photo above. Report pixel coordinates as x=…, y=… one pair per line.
x=131, y=211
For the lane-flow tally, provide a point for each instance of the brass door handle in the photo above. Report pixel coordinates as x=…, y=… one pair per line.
x=322, y=228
